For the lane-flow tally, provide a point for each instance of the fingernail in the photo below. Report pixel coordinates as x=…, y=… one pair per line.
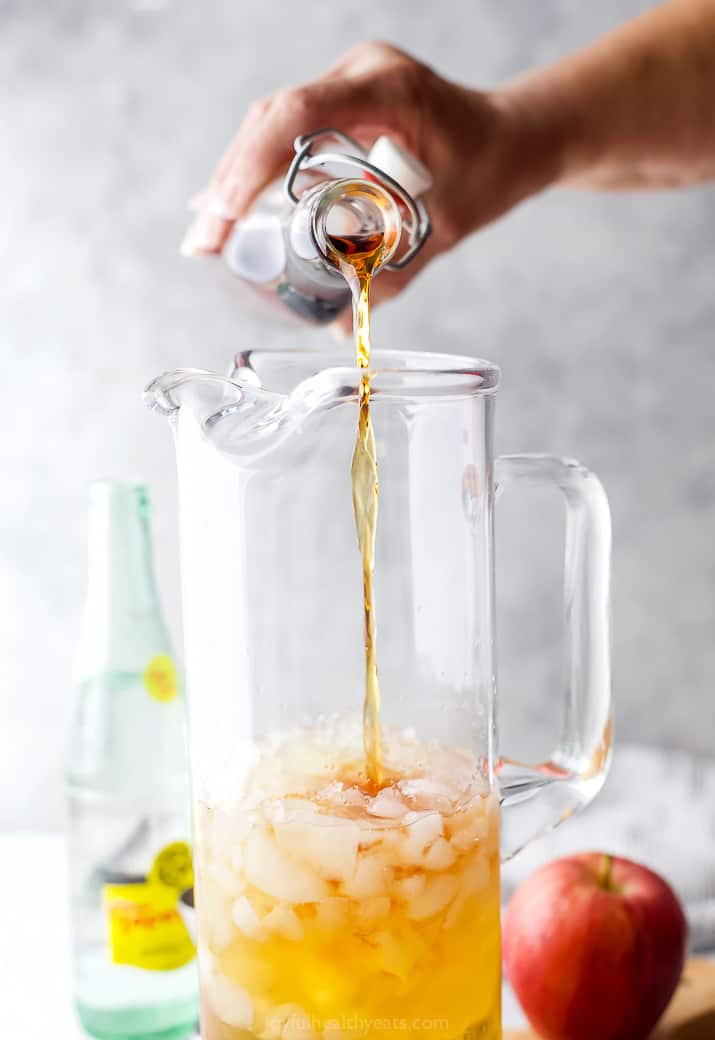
x=205, y=235
x=220, y=207
x=207, y=202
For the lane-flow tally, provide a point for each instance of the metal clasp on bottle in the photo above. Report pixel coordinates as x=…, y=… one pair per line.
x=416, y=222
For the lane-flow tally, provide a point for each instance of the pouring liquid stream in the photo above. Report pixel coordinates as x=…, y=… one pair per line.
x=358, y=257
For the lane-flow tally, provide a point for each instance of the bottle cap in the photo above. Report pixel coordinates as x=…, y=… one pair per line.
x=255, y=249
x=401, y=166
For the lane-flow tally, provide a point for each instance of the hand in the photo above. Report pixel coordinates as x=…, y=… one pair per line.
x=476, y=146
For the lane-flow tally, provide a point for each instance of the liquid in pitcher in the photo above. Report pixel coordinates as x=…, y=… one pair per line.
x=329, y=910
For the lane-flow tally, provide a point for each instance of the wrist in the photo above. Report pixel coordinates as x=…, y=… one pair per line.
x=542, y=132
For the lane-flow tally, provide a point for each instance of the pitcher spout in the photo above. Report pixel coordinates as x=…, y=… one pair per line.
x=271, y=394
x=195, y=388
x=236, y=412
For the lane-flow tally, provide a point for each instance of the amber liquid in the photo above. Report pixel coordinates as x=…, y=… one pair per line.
x=358, y=257
x=397, y=942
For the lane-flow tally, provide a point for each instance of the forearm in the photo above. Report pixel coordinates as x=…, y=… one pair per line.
x=634, y=110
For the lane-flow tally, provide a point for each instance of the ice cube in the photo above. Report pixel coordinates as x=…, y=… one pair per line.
x=352, y=796
x=435, y=897
x=468, y=827
x=331, y=914
x=475, y=874
x=369, y=834
x=298, y=1027
x=390, y=840
x=423, y=829
x=271, y=870
x=410, y=887
x=305, y=760
x=370, y=910
x=224, y=830
x=328, y=844
x=455, y=911
x=246, y=918
x=440, y=855
x=214, y=916
x=285, y=922
x=237, y=858
x=279, y=810
x=287, y=1021
x=372, y=876
x=455, y=767
x=387, y=805
x=230, y=1002
x=221, y=876
x=332, y=792
x=424, y=793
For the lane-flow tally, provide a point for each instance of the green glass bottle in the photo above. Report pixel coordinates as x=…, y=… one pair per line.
x=128, y=793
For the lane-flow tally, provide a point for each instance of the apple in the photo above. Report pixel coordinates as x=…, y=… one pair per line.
x=594, y=946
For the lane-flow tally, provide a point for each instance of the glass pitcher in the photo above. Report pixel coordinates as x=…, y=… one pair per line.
x=328, y=906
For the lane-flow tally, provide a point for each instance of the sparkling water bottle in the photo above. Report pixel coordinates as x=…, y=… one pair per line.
x=128, y=793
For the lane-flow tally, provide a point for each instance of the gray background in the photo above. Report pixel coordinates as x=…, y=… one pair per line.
x=598, y=308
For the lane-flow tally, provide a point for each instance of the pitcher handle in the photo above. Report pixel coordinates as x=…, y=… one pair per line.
x=577, y=768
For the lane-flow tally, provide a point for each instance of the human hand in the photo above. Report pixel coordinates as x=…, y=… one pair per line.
x=477, y=146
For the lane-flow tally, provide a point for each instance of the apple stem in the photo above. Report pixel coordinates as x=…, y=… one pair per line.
x=605, y=879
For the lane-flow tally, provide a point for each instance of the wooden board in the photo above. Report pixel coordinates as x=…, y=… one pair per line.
x=690, y=1016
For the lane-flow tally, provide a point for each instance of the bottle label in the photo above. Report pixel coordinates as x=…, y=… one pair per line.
x=144, y=925
x=160, y=678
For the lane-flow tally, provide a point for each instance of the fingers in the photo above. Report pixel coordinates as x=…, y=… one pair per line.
x=367, y=58
x=247, y=164
x=263, y=148
x=351, y=96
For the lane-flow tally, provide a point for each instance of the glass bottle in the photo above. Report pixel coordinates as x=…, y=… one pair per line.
x=335, y=185
x=127, y=789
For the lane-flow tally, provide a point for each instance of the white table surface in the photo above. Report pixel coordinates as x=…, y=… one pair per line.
x=34, y=948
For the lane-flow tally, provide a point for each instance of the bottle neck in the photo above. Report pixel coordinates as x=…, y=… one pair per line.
x=120, y=565
x=122, y=618
x=353, y=216
x=355, y=210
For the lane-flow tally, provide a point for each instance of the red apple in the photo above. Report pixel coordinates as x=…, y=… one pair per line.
x=594, y=946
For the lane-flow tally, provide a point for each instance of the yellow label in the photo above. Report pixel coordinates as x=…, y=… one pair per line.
x=160, y=678
x=173, y=867
x=145, y=928
x=144, y=925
